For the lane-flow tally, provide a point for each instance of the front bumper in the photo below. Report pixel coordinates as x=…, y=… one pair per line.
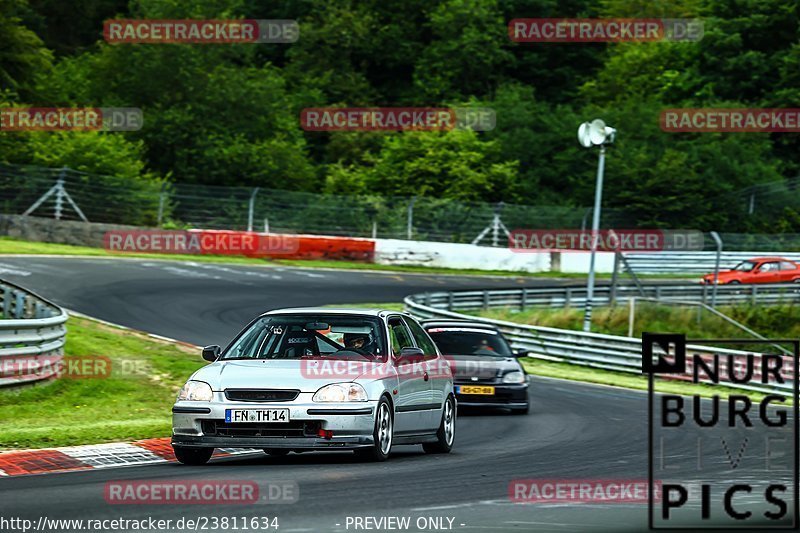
x=348, y=425
x=505, y=395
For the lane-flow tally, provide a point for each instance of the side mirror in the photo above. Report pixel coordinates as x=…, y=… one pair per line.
x=522, y=353
x=409, y=354
x=211, y=353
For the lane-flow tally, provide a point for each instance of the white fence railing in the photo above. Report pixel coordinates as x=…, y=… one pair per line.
x=609, y=352
x=575, y=296
x=693, y=262
x=32, y=336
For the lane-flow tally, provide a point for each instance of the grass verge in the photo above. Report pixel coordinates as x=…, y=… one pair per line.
x=132, y=402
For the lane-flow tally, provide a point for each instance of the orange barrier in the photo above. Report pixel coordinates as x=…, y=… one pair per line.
x=240, y=243
x=318, y=247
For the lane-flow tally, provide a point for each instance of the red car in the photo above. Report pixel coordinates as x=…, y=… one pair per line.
x=758, y=270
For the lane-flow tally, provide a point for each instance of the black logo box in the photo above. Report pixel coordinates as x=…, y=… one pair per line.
x=675, y=345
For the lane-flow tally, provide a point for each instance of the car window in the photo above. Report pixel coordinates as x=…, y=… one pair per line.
x=769, y=267
x=423, y=341
x=305, y=335
x=399, y=334
x=785, y=265
x=745, y=266
x=470, y=341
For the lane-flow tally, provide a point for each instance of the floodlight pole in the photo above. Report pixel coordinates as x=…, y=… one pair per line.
x=598, y=195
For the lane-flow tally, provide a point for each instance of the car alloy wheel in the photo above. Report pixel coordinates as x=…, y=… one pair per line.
x=447, y=430
x=382, y=434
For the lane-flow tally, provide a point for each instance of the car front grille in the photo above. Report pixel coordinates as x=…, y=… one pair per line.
x=467, y=380
x=296, y=428
x=261, y=395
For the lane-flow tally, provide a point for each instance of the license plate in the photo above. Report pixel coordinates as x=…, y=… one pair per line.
x=250, y=416
x=474, y=389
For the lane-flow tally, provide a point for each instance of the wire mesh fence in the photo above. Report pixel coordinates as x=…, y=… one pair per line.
x=72, y=195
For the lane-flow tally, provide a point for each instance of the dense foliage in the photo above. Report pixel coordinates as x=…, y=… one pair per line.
x=228, y=114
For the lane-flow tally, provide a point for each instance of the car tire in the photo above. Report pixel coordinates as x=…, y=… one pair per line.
x=446, y=434
x=382, y=434
x=192, y=456
x=521, y=410
x=278, y=452
x=734, y=282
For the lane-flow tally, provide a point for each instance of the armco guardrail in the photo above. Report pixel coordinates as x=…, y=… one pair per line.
x=609, y=352
x=693, y=262
x=32, y=335
x=566, y=296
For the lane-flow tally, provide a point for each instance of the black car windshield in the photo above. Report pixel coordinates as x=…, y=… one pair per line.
x=306, y=336
x=745, y=266
x=470, y=341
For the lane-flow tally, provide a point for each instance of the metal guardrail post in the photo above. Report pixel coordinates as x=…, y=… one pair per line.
x=753, y=294
x=450, y=299
x=612, y=296
x=485, y=300
x=567, y=298
x=410, y=217
x=718, y=241
x=162, y=197
x=19, y=305
x=523, y=299
x=251, y=208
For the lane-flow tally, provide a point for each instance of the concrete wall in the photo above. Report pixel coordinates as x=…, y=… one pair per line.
x=57, y=231
x=454, y=255
x=579, y=262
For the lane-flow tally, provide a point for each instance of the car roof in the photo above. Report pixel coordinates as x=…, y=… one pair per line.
x=360, y=311
x=434, y=323
x=769, y=258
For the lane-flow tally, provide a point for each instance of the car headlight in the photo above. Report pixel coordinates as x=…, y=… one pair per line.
x=196, y=391
x=341, y=392
x=514, y=377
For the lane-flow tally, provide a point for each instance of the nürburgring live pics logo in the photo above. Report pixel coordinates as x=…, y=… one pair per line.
x=727, y=460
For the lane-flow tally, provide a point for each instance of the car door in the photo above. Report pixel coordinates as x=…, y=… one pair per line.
x=789, y=272
x=413, y=398
x=438, y=370
x=768, y=272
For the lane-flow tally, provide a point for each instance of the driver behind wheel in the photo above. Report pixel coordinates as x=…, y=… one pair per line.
x=355, y=341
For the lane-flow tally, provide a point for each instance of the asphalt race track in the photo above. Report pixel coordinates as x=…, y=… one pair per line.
x=574, y=431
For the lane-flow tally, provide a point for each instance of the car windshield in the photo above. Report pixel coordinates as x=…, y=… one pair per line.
x=745, y=266
x=470, y=341
x=305, y=336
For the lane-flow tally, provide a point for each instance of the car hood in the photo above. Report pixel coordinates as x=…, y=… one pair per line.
x=481, y=366
x=260, y=374
x=724, y=274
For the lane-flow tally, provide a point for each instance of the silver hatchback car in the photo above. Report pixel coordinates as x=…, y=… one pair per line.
x=319, y=379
